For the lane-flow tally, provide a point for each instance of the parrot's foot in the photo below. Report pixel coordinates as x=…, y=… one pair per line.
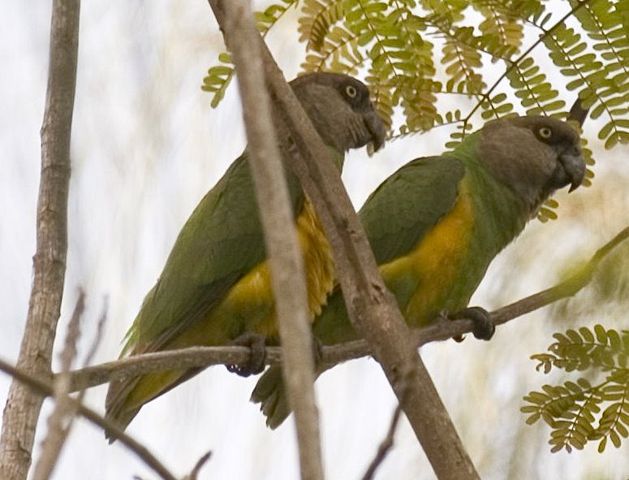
x=483, y=329
x=257, y=356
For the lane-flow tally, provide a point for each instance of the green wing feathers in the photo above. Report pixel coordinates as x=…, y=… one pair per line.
x=406, y=205
x=216, y=283
x=437, y=223
x=204, y=263
x=219, y=244
x=395, y=216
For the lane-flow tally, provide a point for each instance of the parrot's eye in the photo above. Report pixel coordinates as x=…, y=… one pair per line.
x=545, y=133
x=351, y=91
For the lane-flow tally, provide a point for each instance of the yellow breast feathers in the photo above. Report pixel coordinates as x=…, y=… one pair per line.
x=251, y=298
x=434, y=263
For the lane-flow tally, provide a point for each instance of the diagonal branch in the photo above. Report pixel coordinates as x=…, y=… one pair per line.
x=372, y=309
x=385, y=446
x=204, y=356
x=332, y=355
x=62, y=416
x=512, y=64
x=443, y=330
x=49, y=263
x=43, y=388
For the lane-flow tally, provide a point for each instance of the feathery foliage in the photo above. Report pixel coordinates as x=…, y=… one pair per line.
x=578, y=411
x=420, y=56
x=219, y=77
x=412, y=52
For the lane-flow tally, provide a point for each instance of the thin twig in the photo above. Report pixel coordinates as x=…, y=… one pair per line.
x=332, y=355
x=198, y=466
x=43, y=388
x=565, y=289
x=69, y=351
x=23, y=406
x=98, y=336
x=385, y=446
x=166, y=360
x=514, y=63
x=60, y=420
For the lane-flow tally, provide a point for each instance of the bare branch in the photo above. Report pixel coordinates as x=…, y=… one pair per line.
x=445, y=329
x=285, y=259
x=332, y=355
x=161, y=361
x=68, y=354
x=565, y=289
x=60, y=420
x=49, y=263
x=98, y=336
x=385, y=446
x=198, y=466
x=43, y=388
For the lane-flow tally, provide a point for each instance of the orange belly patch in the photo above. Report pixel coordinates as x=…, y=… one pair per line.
x=251, y=298
x=435, y=262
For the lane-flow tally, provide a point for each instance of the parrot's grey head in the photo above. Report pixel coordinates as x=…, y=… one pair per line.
x=533, y=155
x=340, y=109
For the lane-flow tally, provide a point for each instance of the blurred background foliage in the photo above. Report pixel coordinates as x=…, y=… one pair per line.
x=146, y=147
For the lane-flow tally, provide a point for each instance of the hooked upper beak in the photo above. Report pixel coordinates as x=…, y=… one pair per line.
x=376, y=128
x=574, y=165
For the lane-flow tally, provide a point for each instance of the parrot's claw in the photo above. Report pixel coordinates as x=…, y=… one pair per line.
x=257, y=356
x=483, y=329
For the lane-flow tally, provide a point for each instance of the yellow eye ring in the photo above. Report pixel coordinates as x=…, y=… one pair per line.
x=545, y=133
x=351, y=91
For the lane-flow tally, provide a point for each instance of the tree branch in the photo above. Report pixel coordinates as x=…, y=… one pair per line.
x=285, y=259
x=332, y=355
x=49, y=263
x=194, y=473
x=205, y=356
x=385, y=446
x=60, y=420
x=371, y=307
x=43, y=388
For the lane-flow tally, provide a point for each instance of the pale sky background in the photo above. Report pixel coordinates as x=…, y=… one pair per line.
x=146, y=146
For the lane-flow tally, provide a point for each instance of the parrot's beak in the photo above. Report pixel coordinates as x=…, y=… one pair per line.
x=376, y=128
x=574, y=165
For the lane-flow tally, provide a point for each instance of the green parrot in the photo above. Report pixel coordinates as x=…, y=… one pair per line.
x=215, y=287
x=436, y=224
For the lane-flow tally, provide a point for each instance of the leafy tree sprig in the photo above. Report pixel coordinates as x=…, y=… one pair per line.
x=577, y=411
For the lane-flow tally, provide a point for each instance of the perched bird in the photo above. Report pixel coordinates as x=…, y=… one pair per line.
x=436, y=224
x=215, y=287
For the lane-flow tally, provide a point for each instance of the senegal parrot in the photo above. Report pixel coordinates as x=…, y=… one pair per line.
x=436, y=224
x=215, y=287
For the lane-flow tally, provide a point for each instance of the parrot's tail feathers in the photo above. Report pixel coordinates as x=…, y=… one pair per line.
x=115, y=405
x=122, y=420
x=269, y=392
x=126, y=397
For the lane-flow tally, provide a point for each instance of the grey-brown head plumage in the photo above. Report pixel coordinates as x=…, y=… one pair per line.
x=340, y=110
x=533, y=155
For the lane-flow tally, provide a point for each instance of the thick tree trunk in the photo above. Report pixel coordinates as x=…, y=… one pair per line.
x=49, y=263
